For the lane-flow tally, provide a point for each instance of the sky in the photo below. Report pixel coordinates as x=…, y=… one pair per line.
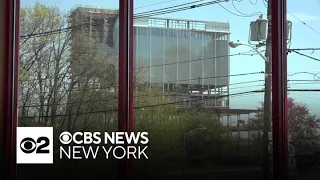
x=305, y=34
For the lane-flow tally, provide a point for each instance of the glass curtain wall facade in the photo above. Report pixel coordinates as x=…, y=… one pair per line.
x=193, y=63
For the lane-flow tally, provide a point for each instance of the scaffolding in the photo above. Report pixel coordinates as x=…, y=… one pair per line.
x=91, y=30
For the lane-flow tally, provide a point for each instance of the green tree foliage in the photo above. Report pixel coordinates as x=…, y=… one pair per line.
x=302, y=125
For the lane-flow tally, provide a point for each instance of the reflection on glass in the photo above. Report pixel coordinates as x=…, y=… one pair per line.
x=68, y=81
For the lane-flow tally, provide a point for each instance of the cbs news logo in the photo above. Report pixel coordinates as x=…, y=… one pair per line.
x=34, y=145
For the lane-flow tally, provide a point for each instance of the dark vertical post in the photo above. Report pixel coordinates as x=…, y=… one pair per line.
x=11, y=56
x=15, y=95
x=131, y=80
x=279, y=91
x=125, y=96
x=10, y=77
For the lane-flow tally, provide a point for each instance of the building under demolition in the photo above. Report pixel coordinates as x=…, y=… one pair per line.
x=90, y=34
x=186, y=58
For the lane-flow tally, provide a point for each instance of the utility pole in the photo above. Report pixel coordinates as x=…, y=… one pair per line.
x=267, y=99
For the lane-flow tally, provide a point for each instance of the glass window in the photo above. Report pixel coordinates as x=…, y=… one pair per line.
x=202, y=85
x=303, y=80
x=68, y=68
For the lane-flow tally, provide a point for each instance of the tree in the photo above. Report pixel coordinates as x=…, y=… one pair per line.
x=302, y=125
x=43, y=64
x=168, y=125
x=52, y=65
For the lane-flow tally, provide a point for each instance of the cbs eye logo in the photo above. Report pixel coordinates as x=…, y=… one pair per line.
x=65, y=137
x=29, y=145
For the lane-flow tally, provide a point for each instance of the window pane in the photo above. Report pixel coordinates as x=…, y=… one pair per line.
x=68, y=81
x=201, y=111
x=303, y=81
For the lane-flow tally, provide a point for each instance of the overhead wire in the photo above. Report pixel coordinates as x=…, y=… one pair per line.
x=240, y=15
x=162, y=104
x=316, y=79
x=244, y=14
x=304, y=23
x=224, y=76
x=173, y=92
x=310, y=57
x=316, y=76
x=245, y=82
x=193, y=60
x=304, y=80
x=304, y=49
x=177, y=102
x=307, y=83
x=253, y=2
x=180, y=9
x=106, y=88
x=265, y=3
x=138, y=15
x=210, y=77
x=166, y=8
x=154, y=4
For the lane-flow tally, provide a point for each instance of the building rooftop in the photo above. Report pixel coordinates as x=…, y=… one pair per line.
x=186, y=24
x=94, y=10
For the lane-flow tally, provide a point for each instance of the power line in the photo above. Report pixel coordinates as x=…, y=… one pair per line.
x=244, y=14
x=193, y=60
x=247, y=86
x=155, y=105
x=306, y=56
x=305, y=90
x=106, y=88
x=246, y=82
x=175, y=92
x=307, y=83
x=304, y=23
x=315, y=75
x=177, y=102
x=170, y=7
x=241, y=74
x=253, y=2
x=304, y=80
x=154, y=4
x=58, y=31
x=265, y=3
x=172, y=93
x=182, y=8
x=240, y=15
x=304, y=49
x=200, y=59
x=138, y=15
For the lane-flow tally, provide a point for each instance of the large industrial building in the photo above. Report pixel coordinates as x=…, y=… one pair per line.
x=186, y=58
x=89, y=37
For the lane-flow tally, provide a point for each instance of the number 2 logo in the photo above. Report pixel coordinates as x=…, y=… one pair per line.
x=29, y=145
